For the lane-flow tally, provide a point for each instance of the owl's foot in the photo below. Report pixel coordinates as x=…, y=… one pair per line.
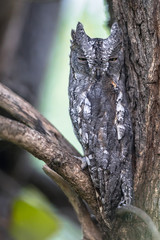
x=126, y=200
x=85, y=161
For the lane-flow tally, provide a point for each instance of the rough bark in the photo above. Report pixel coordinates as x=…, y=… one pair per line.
x=140, y=22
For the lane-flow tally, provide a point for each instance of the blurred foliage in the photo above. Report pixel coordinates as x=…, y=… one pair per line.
x=34, y=218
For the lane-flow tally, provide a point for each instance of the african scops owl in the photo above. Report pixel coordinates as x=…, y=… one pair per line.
x=100, y=115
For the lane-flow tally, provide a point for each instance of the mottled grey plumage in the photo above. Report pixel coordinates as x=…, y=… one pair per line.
x=100, y=116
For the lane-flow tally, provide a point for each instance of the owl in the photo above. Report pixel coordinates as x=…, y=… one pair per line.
x=100, y=115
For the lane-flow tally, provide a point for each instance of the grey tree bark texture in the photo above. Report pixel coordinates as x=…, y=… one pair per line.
x=140, y=23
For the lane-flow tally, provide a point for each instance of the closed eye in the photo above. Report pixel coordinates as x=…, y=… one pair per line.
x=82, y=59
x=113, y=59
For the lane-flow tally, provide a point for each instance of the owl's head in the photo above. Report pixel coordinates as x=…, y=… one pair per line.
x=97, y=56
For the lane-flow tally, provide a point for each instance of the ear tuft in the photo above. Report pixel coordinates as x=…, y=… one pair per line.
x=79, y=27
x=73, y=34
x=81, y=36
x=114, y=27
x=80, y=33
x=116, y=30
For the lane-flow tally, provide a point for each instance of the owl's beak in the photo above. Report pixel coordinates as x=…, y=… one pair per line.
x=98, y=73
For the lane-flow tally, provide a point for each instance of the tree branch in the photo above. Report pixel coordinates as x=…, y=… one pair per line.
x=25, y=113
x=52, y=154
x=35, y=134
x=90, y=231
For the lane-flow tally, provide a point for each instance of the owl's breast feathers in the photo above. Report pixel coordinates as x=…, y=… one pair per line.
x=94, y=112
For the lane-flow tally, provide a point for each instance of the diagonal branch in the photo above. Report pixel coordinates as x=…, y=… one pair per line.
x=25, y=113
x=27, y=138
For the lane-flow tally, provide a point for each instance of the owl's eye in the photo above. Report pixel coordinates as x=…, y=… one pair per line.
x=82, y=59
x=113, y=59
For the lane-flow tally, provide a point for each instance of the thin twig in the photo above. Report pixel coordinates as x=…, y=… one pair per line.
x=90, y=230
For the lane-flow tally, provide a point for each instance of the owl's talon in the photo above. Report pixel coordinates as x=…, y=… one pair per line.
x=83, y=160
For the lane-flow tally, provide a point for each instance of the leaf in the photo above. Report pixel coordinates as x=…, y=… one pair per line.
x=32, y=218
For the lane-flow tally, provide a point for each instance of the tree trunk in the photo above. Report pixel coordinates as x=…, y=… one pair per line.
x=140, y=22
